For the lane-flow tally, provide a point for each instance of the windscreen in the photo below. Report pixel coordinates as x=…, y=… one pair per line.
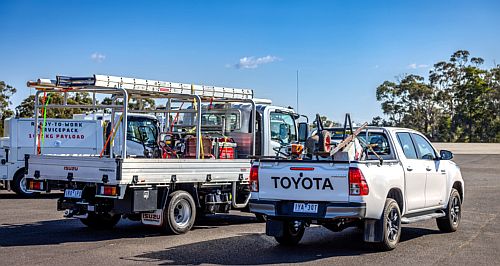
x=218, y=120
x=142, y=130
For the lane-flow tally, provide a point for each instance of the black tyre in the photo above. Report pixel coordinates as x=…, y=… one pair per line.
x=180, y=213
x=391, y=226
x=451, y=221
x=101, y=221
x=293, y=232
x=261, y=218
x=19, y=185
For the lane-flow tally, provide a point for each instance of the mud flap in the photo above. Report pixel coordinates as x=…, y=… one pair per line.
x=373, y=230
x=153, y=218
x=274, y=228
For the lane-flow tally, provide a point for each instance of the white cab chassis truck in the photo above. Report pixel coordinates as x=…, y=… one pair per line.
x=61, y=136
x=410, y=182
x=197, y=163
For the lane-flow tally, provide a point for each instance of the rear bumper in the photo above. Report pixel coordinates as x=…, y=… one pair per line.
x=327, y=210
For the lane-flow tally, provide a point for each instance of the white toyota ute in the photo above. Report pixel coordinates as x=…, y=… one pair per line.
x=400, y=178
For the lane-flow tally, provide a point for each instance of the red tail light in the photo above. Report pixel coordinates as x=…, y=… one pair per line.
x=254, y=178
x=35, y=185
x=357, y=183
x=108, y=191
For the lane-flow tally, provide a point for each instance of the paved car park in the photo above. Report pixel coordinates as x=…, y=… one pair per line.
x=33, y=232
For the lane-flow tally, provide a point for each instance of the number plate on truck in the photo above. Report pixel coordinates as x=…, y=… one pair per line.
x=305, y=207
x=73, y=193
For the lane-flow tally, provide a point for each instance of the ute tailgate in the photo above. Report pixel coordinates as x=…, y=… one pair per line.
x=82, y=169
x=304, y=181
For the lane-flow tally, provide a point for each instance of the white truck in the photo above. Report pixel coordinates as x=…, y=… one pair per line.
x=400, y=178
x=197, y=163
x=61, y=136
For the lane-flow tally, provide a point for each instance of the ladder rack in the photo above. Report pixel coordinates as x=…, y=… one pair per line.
x=140, y=86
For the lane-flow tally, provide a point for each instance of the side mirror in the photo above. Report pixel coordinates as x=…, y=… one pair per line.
x=445, y=155
x=303, y=132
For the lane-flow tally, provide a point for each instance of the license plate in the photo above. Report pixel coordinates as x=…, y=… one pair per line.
x=73, y=193
x=305, y=207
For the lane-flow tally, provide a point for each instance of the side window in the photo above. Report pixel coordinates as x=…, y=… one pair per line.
x=378, y=141
x=283, y=128
x=424, y=148
x=407, y=145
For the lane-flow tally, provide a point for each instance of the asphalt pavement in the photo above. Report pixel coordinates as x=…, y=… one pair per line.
x=33, y=232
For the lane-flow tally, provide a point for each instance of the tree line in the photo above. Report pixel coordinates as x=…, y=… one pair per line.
x=459, y=101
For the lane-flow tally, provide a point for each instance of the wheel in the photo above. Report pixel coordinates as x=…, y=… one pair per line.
x=180, y=213
x=19, y=185
x=450, y=222
x=261, y=218
x=391, y=229
x=101, y=221
x=293, y=231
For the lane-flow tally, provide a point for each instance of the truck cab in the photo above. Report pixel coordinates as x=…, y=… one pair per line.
x=276, y=126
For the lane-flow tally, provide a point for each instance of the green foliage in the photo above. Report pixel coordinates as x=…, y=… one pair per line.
x=459, y=102
x=6, y=91
x=134, y=104
x=26, y=108
x=326, y=123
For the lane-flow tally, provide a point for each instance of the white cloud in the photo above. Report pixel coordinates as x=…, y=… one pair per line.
x=97, y=57
x=415, y=66
x=252, y=62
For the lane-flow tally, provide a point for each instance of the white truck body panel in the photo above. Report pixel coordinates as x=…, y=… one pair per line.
x=85, y=169
x=62, y=136
x=328, y=182
x=148, y=171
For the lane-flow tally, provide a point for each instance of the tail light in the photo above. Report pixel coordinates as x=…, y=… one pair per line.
x=108, y=191
x=254, y=178
x=35, y=185
x=357, y=183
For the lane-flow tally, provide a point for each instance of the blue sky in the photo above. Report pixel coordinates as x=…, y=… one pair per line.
x=342, y=49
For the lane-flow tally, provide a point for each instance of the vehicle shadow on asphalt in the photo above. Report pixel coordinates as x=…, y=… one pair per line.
x=73, y=231
x=318, y=243
x=40, y=196
x=217, y=220
x=67, y=231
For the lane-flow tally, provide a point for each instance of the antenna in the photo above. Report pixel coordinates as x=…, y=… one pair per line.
x=297, y=91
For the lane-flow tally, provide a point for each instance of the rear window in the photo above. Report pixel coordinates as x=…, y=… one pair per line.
x=378, y=141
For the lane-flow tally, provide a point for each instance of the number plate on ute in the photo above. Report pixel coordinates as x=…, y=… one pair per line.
x=73, y=193
x=305, y=207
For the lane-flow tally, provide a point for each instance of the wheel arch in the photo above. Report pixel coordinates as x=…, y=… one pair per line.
x=189, y=188
x=459, y=187
x=21, y=169
x=397, y=195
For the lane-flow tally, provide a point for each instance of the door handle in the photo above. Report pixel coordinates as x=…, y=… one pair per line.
x=428, y=168
x=409, y=168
